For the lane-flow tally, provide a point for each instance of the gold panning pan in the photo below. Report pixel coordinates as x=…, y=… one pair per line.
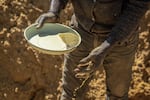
x=52, y=38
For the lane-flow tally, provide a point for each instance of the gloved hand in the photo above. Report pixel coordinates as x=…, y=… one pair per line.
x=90, y=64
x=46, y=17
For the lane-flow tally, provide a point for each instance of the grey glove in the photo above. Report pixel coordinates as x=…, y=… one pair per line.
x=91, y=63
x=46, y=17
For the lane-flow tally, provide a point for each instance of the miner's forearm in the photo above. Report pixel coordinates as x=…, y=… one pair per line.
x=57, y=5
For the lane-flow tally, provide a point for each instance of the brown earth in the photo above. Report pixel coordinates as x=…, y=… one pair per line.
x=28, y=75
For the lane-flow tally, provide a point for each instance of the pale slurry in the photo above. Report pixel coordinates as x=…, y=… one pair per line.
x=58, y=42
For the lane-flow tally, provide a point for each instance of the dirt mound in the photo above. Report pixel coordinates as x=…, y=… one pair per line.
x=28, y=75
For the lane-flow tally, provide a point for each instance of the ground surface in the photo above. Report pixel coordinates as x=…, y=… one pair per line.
x=28, y=75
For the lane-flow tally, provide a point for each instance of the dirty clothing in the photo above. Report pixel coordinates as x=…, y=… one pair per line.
x=119, y=17
x=117, y=65
x=97, y=21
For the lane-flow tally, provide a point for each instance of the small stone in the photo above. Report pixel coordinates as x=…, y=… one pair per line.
x=16, y=90
x=6, y=44
x=5, y=95
x=48, y=97
x=56, y=66
x=8, y=35
x=5, y=51
x=19, y=60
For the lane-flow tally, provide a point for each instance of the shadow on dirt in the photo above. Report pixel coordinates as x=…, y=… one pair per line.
x=140, y=96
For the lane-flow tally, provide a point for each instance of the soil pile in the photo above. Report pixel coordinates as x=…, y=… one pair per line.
x=28, y=75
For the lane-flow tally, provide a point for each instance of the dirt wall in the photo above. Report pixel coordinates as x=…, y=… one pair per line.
x=28, y=75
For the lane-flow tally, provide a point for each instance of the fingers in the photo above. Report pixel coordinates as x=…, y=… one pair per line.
x=88, y=65
x=40, y=21
x=84, y=70
x=82, y=75
x=37, y=20
x=85, y=61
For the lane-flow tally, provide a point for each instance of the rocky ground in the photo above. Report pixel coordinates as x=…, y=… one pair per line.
x=28, y=75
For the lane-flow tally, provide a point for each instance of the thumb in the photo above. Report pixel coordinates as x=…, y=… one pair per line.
x=40, y=22
x=85, y=60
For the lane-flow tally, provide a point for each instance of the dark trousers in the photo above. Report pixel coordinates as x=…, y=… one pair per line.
x=117, y=65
